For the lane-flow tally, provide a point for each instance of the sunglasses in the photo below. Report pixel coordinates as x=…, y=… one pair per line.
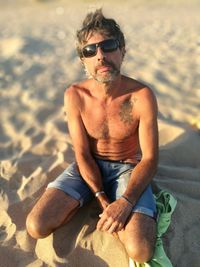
x=106, y=46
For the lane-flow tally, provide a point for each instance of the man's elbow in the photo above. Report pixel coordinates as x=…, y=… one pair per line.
x=152, y=162
x=83, y=156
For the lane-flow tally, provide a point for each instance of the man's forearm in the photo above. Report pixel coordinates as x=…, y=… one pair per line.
x=141, y=176
x=90, y=172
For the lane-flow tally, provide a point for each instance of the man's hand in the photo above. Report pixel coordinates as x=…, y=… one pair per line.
x=114, y=216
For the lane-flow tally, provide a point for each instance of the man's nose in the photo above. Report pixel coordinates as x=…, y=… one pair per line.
x=100, y=54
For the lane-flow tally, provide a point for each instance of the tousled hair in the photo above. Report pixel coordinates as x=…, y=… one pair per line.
x=95, y=22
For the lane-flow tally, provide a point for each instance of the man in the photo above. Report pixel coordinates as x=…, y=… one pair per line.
x=112, y=121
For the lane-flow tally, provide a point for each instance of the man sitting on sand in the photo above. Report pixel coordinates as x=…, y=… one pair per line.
x=112, y=121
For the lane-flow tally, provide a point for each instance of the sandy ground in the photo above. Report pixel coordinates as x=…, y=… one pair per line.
x=37, y=62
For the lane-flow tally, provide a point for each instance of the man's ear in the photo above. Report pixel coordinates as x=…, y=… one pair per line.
x=123, y=51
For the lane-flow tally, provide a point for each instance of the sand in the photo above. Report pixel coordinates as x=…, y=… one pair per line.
x=37, y=63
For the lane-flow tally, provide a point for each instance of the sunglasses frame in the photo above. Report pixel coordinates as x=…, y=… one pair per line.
x=101, y=45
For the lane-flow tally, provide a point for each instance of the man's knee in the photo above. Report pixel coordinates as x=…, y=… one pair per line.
x=36, y=227
x=140, y=252
x=51, y=211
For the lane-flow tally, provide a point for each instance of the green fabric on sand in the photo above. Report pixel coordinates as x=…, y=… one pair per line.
x=166, y=204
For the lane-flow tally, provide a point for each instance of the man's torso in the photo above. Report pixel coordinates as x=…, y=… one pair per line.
x=112, y=127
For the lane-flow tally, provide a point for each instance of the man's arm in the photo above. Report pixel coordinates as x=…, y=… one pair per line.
x=118, y=212
x=86, y=163
x=148, y=137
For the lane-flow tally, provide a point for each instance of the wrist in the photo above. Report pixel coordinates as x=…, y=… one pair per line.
x=98, y=193
x=102, y=200
x=127, y=200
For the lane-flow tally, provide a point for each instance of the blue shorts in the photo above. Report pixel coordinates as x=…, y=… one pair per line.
x=115, y=175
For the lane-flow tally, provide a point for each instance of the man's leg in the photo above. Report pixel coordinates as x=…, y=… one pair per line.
x=52, y=210
x=139, y=237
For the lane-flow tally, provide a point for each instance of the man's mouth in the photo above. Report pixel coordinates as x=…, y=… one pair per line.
x=104, y=68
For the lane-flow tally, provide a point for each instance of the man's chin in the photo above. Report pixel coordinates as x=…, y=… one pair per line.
x=105, y=79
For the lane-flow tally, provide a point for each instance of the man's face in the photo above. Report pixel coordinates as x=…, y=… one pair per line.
x=104, y=67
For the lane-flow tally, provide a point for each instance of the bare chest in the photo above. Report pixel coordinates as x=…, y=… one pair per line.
x=115, y=121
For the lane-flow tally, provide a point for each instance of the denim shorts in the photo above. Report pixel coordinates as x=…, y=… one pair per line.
x=115, y=176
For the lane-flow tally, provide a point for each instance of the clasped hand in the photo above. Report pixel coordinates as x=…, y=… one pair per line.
x=114, y=216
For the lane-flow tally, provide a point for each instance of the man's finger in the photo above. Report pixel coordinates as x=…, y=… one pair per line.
x=104, y=223
x=120, y=227
x=113, y=228
x=106, y=226
x=101, y=223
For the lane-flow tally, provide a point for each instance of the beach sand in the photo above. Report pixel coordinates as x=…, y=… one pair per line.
x=37, y=63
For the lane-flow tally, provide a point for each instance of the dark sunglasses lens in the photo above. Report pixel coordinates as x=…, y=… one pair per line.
x=106, y=46
x=109, y=45
x=89, y=50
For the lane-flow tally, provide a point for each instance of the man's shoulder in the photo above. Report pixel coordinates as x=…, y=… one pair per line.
x=73, y=88
x=142, y=96
x=138, y=87
x=74, y=94
x=76, y=88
